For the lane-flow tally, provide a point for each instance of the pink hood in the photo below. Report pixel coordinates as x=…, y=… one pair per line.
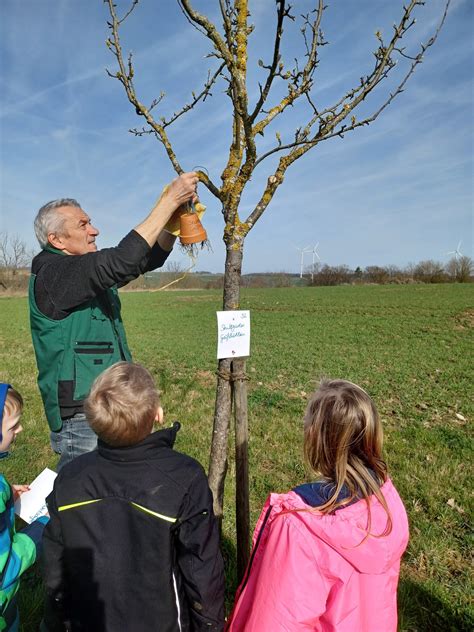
x=310, y=571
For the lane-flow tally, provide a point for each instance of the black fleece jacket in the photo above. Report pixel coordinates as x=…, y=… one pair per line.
x=132, y=544
x=63, y=282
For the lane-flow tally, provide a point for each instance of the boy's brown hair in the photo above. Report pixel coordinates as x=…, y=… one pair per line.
x=122, y=404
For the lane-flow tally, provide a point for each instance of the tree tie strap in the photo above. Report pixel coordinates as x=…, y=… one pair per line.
x=228, y=376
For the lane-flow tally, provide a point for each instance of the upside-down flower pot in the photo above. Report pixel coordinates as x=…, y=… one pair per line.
x=191, y=231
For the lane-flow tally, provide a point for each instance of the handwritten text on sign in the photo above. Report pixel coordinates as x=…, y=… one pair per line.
x=233, y=334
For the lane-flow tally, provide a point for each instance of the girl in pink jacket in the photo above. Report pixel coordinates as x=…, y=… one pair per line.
x=326, y=556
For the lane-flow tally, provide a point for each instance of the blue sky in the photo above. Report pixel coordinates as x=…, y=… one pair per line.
x=396, y=192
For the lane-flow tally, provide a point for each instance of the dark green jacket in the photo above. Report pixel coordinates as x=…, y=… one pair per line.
x=72, y=352
x=75, y=318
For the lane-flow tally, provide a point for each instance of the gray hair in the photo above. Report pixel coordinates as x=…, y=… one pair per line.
x=48, y=220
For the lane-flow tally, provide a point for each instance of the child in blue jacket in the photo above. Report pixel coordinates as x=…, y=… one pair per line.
x=18, y=551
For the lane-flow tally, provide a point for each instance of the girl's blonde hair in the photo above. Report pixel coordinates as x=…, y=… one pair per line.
x=122, y=404
x=343, y=443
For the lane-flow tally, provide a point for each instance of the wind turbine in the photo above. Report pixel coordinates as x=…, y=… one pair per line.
x=457, y=253
x=315, y=254
x=305, y=250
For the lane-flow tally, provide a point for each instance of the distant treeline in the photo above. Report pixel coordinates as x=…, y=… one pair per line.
x=457, y=270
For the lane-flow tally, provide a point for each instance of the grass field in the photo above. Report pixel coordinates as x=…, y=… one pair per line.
x=409, y=346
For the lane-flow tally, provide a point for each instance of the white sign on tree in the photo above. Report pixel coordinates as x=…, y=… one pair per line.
x=233, y=334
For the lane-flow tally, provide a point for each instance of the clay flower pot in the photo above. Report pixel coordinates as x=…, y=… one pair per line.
x=191, y=230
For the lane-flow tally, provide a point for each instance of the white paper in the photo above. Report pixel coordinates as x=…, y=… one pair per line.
x=233, y=334
x=32, y=504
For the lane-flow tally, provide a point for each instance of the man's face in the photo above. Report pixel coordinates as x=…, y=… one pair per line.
x=77, y=235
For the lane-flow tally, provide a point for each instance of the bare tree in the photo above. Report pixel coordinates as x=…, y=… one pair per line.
x=376, y=274
x=250, y=120
x=395, y=274
x=429, y=271
x=332, y=275
x=14, y=255
x=13, y=252
x=460, y=269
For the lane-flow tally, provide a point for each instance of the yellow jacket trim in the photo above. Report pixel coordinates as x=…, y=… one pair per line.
x=85, y=502
x=154, y=513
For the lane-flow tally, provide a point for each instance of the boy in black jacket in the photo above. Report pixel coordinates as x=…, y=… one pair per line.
x=132, y=544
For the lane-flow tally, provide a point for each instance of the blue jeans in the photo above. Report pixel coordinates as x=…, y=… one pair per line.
x=75, y=437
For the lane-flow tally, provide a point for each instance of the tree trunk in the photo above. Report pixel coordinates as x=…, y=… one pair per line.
x=223, y=406
x=218, y=459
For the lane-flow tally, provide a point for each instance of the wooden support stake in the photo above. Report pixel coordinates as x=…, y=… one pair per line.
x=241, y=465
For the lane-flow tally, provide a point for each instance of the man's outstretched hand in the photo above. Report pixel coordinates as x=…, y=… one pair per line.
x=180, y=191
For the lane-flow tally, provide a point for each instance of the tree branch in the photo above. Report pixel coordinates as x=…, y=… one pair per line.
x=328, y=125
x=210, y=30
x=125, y=76
x=281, y=12
x=227, y=22
x=300, y=80
x=236, y=175
x=196, y=98
x=134, y=4
x=242, y=32
x=235, y=58
x=273, y=183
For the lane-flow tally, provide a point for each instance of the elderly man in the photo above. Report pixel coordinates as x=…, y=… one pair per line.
x=75, y=317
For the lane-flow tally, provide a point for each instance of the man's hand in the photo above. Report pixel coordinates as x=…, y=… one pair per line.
x=179, y=192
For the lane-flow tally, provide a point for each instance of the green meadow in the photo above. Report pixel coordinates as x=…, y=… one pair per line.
x=409, y=346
